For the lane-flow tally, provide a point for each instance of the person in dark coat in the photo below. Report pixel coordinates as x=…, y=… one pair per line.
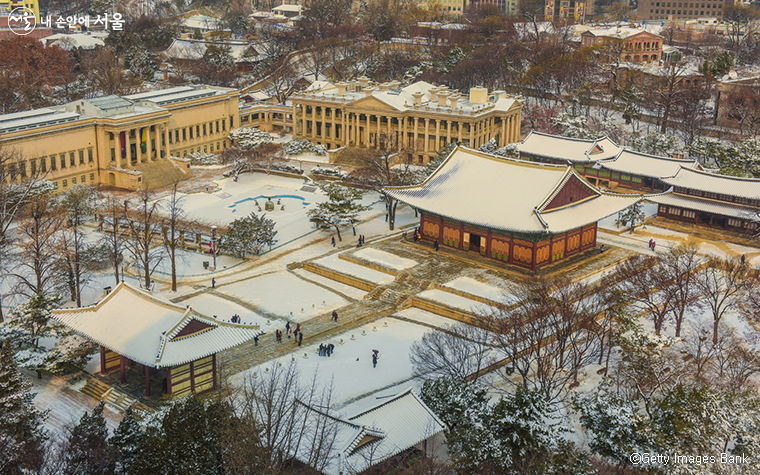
x=335, y=316
x=374, y=360
x=330, y=349
x=287, y=329
x=256, y=340
x=300, y=338
x=213, y=282
x=321, y=349
x=435, y=245
x=333, y=241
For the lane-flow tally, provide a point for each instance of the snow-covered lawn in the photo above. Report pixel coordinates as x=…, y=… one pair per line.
x=423, y=316
x=336, y=263
x=456, y=301
x=213, y=305
x=385, y=259
x=348, y=290
x=481, y=289
x=285, y=295
x=350, y=366
x=190, y=263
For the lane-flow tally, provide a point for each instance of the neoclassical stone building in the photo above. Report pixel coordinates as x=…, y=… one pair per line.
x=121, y=141
x=420, y=118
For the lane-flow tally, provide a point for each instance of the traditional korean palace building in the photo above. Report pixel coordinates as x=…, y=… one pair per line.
x=707, y=199
x=526, y=214
x=134, y=327
x=602, y=161
x=421, y=118
x=121, y=141
x=402, y=423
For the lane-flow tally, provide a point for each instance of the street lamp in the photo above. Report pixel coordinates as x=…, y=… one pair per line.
x=213, y=244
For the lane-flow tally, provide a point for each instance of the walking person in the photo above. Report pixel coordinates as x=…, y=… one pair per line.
x=287, y=329
x=333, y=241
x=374, y=360
x=330, y=349
x=213, y=282
x=335, y=316
x=256, y=340
x=300, y=338
x=650, y=244
x=654, y=243
x=743, y=259
x=435, y=245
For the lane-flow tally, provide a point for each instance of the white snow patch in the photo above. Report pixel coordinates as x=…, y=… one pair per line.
x=385, y=259
x=350, y=366
x=456, y=301
x=481, y=289
x=348, y=290
x=213, y=305
x=336, y=263
x=283, y=294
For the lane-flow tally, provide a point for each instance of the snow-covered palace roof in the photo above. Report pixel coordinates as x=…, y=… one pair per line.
x=566, y=148
x=509, y=194
x=373, y=435
x=713, y=183
x=643, y=164
x=151, y=331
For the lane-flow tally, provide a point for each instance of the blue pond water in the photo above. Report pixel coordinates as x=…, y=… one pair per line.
x=263, y=199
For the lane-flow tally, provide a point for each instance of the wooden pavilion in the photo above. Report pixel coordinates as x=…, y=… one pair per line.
x=135, y=327
x=526, y=214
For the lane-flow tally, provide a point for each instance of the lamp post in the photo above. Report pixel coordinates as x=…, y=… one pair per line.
x=213, y=244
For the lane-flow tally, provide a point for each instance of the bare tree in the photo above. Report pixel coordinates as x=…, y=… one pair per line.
x=39, y=224
x=288, y=417
x=383, y=166
x=112, y=239
x=16, y=189
x=460, y=351
x=170, y=230
x=548, y=339
x=78, y=204
x=724, y=284
x=680, y=267
x=143, y=220
x=642, y=279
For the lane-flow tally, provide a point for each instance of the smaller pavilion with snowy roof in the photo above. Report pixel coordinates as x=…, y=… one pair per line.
x=707, y=199
x=526, y=214
x=400, y=424
x=547, y=148
x=602, y=161
x=135, y=327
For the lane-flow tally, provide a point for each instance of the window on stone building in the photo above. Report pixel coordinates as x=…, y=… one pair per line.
x=81, y=157
x=89, y=155
x=63, y=160
x=72, y=159
x=52, y=162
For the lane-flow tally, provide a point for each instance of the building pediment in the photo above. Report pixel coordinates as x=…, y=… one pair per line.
x=372, y=102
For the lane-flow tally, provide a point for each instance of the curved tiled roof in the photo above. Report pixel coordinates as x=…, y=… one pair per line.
x=141, y=327
x=506, y=194
x=715, y=183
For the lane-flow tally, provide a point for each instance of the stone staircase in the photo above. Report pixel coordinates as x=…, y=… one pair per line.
x=410, y=280
x=316, y=330
x=114, y=399
x=388, y=295
x=160, y=173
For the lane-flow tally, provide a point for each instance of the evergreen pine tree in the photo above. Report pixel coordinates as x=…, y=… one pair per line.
x=87, y=450
x=21, y=432
x=126, y=442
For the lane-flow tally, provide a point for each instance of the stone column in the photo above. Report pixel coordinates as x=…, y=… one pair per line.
x=129, y=148
x=437, y=134
x=324, y=121
x=427, y=136
x=503, y=135
x=448, y=131
x=295, y=122
x=459, y=131
x=416, y=133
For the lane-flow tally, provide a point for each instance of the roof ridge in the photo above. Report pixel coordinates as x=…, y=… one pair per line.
x=649, y=155
x=717, y=175
x=574, y=139
x=381, y=404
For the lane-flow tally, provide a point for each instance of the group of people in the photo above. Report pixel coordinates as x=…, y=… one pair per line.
x=361, y=240
x=334, y=317
x=235, y=318
x=295, y=333
x=652, y=245
x=326, y=350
